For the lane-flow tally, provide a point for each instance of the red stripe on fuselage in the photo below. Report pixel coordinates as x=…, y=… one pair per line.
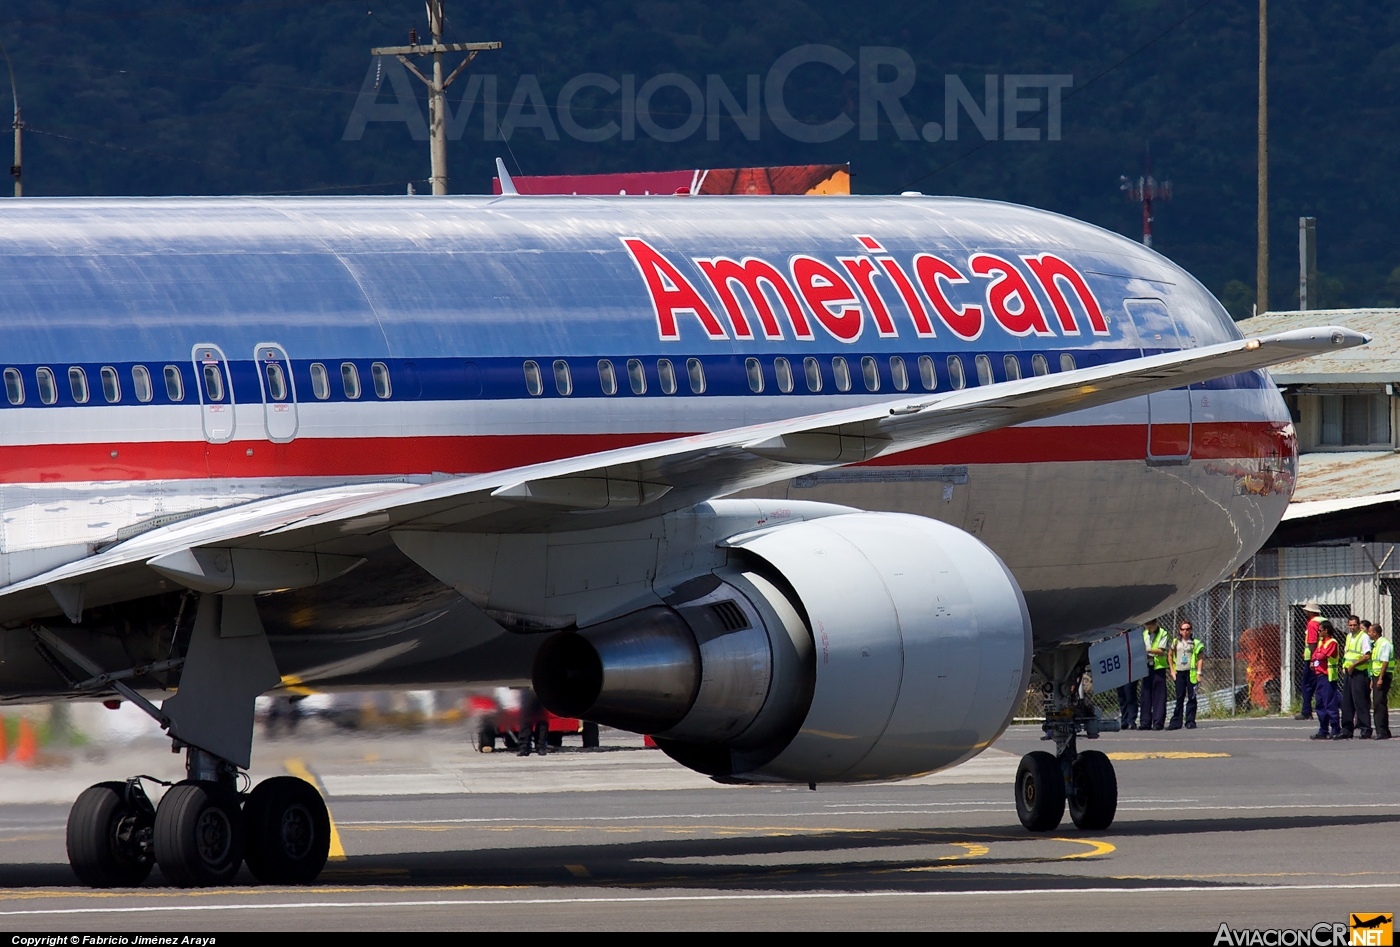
x=386, y=456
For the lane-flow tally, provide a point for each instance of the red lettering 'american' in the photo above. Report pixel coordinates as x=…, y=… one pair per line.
x=1009, y=296
x=752, y=275
x=966, y=322
x=823, y=288
x=671, y=293
x=1049, y=270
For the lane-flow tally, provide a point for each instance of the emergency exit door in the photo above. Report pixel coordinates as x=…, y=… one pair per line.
x=278, y=391
x=215, y=393
x=1168, y=412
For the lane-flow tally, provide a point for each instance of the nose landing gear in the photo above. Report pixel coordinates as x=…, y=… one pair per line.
x=1085, y=780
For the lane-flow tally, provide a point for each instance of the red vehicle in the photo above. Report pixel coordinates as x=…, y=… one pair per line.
x=497, y=722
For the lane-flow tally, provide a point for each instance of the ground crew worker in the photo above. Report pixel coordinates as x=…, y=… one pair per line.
x=1356, y=683
x=1308, y=684
x=1154, y=685
x=1326, y=664
x=1382, y=656
x=1187, y=657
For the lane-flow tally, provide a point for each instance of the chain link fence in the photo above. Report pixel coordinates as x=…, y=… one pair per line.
x=1253, y=625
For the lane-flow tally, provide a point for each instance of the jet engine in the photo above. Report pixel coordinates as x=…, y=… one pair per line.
x=852, y=647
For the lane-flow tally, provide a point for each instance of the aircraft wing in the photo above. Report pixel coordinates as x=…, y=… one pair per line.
x=298, y=539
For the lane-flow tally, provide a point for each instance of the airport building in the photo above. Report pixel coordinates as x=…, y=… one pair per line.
x=1339, y=542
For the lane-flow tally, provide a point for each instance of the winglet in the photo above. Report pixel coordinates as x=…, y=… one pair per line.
x=507, y=185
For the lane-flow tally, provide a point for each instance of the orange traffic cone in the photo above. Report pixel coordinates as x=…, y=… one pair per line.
x=26, y=748
x=4, y=742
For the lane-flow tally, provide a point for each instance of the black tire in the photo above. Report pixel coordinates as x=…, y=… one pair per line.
x=555, y=738
x=1094, y=801
x=288, y=831
x=1040, y=791
x=199, y=835
x=102, y=847
x=590, y=736
x=486, y=739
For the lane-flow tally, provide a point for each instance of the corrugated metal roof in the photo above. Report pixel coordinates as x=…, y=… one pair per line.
x=1346, y=475
x=1378, y=361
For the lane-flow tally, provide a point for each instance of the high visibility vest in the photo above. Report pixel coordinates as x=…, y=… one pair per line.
x=1382, y=653
x=1196, y=648
x=1334, y=663
x=1355, y=650
x=1159, y=661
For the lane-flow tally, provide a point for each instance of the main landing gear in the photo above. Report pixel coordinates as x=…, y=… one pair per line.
x=1085, y=780
x=201, y=833
x=205, y=827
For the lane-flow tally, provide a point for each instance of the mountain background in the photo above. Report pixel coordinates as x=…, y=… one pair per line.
x=195, y=97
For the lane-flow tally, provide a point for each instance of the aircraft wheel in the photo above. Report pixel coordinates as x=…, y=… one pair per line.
x=1095, y=798
x=105, y=836
x=288, y=831
x=590, y=735
x=1040, y=791
x=199, y=835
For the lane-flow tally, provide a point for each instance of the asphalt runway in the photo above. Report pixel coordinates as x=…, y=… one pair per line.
x=1243, y=822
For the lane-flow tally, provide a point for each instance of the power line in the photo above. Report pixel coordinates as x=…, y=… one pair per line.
x=1036, y=115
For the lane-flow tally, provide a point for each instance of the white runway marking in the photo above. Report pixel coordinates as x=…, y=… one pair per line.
x=652, y=899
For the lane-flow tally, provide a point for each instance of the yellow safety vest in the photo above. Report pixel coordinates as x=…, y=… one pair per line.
x=1197, y=648
x=1382, y=653
x=1354, y=650
x=1159, y=661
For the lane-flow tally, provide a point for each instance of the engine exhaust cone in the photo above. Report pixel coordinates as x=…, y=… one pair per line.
x=640, y=672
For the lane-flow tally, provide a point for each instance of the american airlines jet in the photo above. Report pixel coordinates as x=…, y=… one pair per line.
x=801, y=487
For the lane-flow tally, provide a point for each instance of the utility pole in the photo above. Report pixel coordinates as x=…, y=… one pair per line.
x=1146, y=189
x=1308, y=295
x=15, y=169
x=1261, y=306
x=437, y=86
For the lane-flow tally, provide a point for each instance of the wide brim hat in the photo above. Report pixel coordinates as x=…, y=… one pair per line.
x=1313, y=607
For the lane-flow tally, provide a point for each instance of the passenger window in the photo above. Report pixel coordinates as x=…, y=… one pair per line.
x=276, y=381
x=379, y=373
x=755, y=372
x=870, y=373
x=77, y=384
x=899, y=374
x=141, y=383
x=174, y=383
x=928, y=377
x=111, y=384
x=350, y=380
x=14, y=386
x=607, y=377
x=984, y=370
x=696, y=372
x=956, y=378
x=813, y=370
x=783, y=370
x=666, y=372
x=214, y=383
x=1066, y=362
x=534, y=384
x=48, y=388
x=320, y=381
x=1012, y=364
x=1039, y=366
x=841, y=372
x=636, y=376
x=563, y=381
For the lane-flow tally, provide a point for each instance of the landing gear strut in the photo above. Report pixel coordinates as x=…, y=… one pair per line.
x=1045, y=782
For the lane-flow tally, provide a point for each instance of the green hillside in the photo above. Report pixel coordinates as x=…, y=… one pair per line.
x=202, y=97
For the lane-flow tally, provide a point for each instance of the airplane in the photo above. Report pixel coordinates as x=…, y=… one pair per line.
x=802, y=488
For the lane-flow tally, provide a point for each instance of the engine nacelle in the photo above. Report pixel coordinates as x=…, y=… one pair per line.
x=852, y=647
